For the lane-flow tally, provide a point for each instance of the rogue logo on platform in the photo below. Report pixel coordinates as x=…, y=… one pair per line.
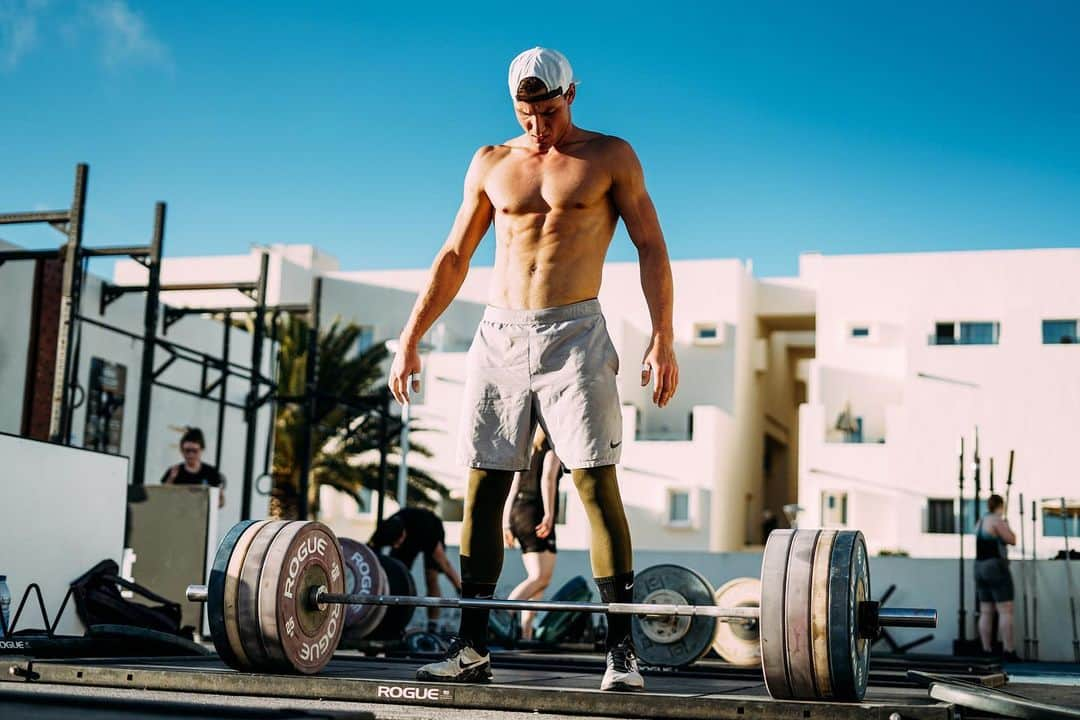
x=399, y=692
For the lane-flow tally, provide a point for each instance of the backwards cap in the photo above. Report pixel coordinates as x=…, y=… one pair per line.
x=546, y=65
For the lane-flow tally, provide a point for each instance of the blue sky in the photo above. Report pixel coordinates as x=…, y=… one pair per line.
x=765, y=129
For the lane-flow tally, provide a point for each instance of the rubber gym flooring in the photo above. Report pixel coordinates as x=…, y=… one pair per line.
x=355, y=686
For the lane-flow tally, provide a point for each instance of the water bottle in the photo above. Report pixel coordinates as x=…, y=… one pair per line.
x=5, y=605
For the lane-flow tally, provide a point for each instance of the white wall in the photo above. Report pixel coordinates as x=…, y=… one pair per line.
x=920, y=583
x=63, y=512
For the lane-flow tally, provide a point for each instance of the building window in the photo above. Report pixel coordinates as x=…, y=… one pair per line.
x=365, y=339
x=966, y=333
x=1059, y=332
x=678, y=508
x=860, y=332
x=941, y=516
x=1056, y=524
x=708, y=333
x=833, y=508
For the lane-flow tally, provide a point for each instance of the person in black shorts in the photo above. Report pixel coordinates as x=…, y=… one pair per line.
x=529, y=519
x=410, y=532
x=993, y=580
x=193, y=471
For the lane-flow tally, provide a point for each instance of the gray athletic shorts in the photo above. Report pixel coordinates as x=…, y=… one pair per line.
x=556, y=367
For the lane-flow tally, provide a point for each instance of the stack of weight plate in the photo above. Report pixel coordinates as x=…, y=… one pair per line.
x=369, y=573
x=257, y=617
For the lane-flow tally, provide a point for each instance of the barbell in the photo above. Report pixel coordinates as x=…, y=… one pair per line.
x=276, y=594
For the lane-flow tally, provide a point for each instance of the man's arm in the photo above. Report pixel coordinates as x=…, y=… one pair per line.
x=443, y=562
x=1003, y=531
x=549, y=480
x=508, y=535
x=633, y=203
x=448, y=272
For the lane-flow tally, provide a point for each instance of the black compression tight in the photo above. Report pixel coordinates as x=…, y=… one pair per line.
x=481, y=531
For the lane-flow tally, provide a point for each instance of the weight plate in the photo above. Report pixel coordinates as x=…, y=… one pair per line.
x=665, y=629
x=247, y=596
x=362, y=577
x=297, y=635
x=774, y=566
x=502, y=628
x=665, y=642
x=231, y=595
x=738, y=643
x=375, y=619
x=397, y=617
x=421, y=642
x=819, y=613
x=215, y=594
x=849, y=583
x=553, y=627
x=797, y=587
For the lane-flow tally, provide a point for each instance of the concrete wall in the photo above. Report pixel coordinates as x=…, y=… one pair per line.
x=17, y=281
x=921, y=583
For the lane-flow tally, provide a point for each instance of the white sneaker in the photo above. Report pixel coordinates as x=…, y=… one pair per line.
x=462, y=664
x=622, y=670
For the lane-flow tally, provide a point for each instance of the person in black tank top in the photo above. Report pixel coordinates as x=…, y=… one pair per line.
x=993, y=581
x=193, y=471
x=529, y=519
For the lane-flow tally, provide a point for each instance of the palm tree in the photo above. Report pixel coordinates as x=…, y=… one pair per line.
x=346, y=424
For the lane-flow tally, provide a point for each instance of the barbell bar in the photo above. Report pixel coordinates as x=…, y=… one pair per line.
x=886, y=617
x=276, y=595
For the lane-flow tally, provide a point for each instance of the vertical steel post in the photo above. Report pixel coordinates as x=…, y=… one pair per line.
x=962, y=635
x=251, y=405
x=311, y=397
x=222, y=397
x=150, y=321
x=1068, y=573
x=384, y=440
x=60, y=418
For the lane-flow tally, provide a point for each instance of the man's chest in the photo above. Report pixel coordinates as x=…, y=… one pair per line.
x=527, y=185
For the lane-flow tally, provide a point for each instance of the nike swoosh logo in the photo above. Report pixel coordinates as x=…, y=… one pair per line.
x=464, y=666
x=615, y=444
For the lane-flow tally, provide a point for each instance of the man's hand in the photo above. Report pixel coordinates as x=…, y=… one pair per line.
x=508, y=538
x=545, y=526
x=660, y=358
x=406, y=367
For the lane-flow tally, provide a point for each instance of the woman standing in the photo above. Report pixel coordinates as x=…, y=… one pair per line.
x=529, y=519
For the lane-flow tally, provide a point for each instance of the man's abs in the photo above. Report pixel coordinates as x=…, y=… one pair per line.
x=554, y=220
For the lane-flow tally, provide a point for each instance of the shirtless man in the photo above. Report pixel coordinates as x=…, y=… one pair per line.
x=542, y=352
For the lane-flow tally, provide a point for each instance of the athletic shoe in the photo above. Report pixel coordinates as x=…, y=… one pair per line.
x=463, y=664
x=622, y=670
x=1010, y=656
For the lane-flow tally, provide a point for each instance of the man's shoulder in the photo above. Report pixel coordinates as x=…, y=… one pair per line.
x=493, y=153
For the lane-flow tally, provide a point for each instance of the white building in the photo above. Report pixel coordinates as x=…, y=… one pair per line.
x=768, y=367
x=922, y=348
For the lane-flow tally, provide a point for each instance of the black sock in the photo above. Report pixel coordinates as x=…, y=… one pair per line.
x=617, y=589
x=474, y=621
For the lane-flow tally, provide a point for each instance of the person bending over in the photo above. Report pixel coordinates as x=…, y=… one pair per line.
x=410, y=532
x=541, y=354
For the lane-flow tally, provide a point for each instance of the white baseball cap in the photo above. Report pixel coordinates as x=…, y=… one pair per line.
x=548, y=66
